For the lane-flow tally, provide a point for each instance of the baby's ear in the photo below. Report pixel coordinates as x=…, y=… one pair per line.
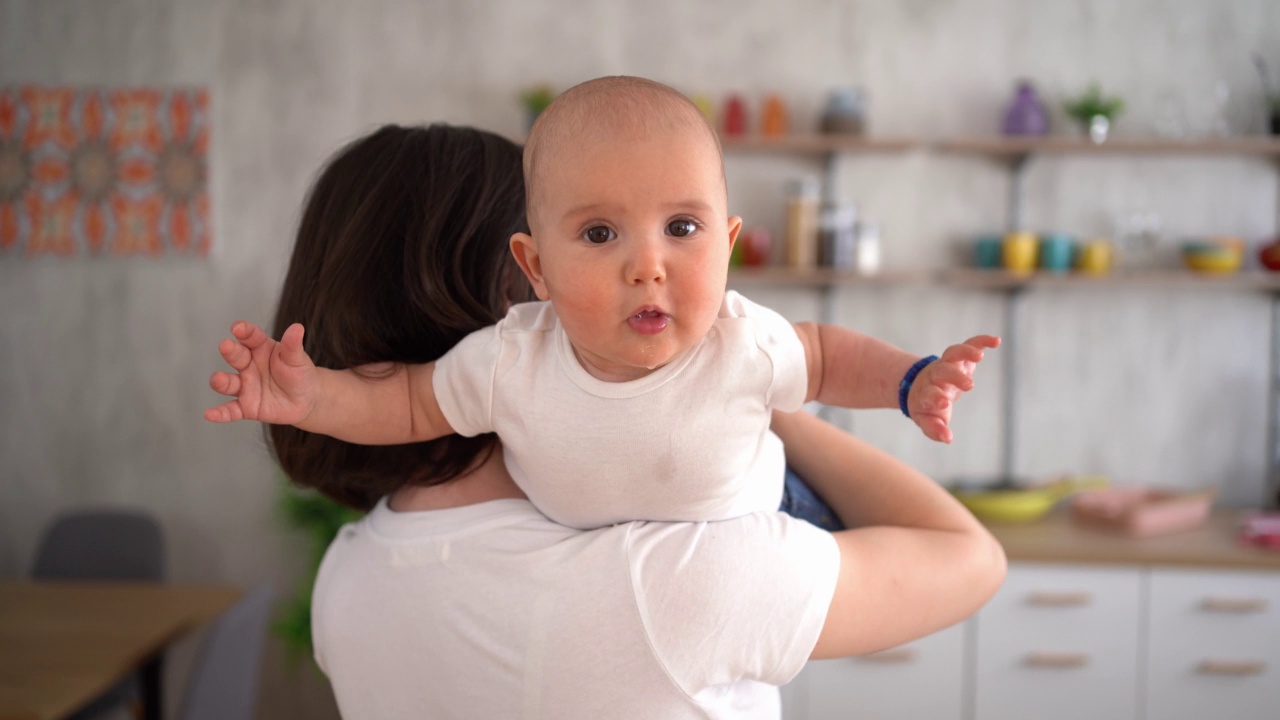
x=735, y=227
x=525, y=251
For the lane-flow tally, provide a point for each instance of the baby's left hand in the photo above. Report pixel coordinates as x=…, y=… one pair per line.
x=940, y=383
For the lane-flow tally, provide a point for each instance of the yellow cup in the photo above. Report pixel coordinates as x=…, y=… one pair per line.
x=1095, y=257
x=1020, y=252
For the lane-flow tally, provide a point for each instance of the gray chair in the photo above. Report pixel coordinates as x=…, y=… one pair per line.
x=107, y=544
x=224, y=681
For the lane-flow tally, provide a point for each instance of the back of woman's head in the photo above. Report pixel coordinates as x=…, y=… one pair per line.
x=401, y=252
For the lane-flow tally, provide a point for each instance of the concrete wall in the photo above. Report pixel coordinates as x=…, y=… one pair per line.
x=103, y=362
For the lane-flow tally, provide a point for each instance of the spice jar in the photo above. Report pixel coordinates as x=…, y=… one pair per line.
x=866, y=256
x=839, y=235
x=802, y=223
x=845, y=112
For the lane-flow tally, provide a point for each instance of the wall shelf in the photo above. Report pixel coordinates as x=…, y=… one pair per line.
x=1015, y=147
x=972, y=278
x=1016, y=153
x=817, y=144
x=1004, y=147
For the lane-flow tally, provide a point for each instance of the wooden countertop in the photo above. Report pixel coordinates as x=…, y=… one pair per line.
x=1057, y=538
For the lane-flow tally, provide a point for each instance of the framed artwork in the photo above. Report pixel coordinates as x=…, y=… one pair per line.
x=104, y=172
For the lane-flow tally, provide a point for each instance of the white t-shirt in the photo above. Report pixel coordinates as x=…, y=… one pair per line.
x=689, y=441
x=493, y=611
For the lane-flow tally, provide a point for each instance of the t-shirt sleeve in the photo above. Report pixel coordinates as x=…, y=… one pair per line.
x=777, y=339
x=739, y=599
x=463, y=381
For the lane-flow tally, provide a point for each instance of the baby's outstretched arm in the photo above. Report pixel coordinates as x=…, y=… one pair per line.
x=853, y=370
x=276, y=382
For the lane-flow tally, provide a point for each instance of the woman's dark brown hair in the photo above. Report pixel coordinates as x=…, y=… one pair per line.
x=402, y=251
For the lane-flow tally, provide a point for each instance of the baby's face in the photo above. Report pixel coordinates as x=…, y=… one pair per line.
x=632, y=240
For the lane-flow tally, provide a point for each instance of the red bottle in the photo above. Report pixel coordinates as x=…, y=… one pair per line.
x=735, y=116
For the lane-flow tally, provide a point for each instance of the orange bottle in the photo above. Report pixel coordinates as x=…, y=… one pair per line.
x=774, y=120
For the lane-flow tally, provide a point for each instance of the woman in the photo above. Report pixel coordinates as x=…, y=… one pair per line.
x=454, y=597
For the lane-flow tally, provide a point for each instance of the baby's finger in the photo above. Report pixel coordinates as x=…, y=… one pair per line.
x=236, y=355
x=249, y=333
x=984, y=341
x=935, y=429
x=225, y=383
x=962, y=353
x=224, y=413
x=947, y=373
x=291, y=352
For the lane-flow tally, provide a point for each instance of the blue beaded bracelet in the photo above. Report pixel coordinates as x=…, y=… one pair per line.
x=904, y=387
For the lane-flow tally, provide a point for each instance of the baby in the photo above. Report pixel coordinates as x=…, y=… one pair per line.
x=637, y=359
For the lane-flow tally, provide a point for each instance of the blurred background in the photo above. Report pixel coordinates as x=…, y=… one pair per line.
x=104, y=360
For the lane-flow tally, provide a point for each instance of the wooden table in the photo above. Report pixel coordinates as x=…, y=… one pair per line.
x=62, y=644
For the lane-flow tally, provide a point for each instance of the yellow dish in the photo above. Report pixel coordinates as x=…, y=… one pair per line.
x=1024, y=505
x=1224, y=261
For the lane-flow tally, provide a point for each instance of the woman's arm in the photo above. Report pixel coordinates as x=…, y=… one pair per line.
x=915, y=563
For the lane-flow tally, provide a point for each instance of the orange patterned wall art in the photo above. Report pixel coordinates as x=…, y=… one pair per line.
x=104, y=172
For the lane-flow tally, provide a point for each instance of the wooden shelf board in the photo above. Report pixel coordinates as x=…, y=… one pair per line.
x=1003, y=280
x=1018, y=146
x=817, y=144
x=826, y=277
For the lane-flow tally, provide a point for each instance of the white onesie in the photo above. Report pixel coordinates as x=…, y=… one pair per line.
x=689, y=441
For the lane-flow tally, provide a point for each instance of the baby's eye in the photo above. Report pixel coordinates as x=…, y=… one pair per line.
x=598, y=235
x=682, y=228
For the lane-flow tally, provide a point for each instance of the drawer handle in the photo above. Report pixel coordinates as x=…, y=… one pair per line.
x=891, y=657
x=1056, y=660
x=1045, y=598
x=1234, y=605
x=1235, y=668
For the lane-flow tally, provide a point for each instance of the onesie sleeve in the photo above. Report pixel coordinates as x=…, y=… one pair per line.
x=776, y=337
x=463, y=381
x=739, y=599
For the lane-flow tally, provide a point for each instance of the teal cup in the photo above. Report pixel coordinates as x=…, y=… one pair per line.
x=1057, y=252
x=987, y=251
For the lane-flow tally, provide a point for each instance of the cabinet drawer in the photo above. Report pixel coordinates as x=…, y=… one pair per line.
x=1214, y=644
x=1060, y=641
x=922, y=679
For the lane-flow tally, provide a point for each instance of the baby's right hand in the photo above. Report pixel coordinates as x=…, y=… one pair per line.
x=274, y=382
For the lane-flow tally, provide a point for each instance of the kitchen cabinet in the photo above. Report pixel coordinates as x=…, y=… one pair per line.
x=1060, y=642
x=922, y=679
x=1087, y=625
x=1214, y=645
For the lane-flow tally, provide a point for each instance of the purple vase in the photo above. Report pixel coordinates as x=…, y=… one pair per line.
x=1026, y=115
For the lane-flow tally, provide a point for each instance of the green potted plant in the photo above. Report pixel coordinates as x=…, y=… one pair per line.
x=1094, y=111
x=320, y=519
x=535, y=99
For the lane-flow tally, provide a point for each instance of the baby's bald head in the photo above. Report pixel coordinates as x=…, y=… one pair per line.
x=607, y=107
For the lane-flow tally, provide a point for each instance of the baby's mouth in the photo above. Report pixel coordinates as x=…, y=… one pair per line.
x=649, y=321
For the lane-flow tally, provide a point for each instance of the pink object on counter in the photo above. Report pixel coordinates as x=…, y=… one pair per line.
x=1142, y=512
x=1262, y=529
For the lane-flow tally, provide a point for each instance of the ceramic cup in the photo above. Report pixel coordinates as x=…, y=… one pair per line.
x=1056, y=252
x=1094, y=257
x=1019, y=252
x=988, y=252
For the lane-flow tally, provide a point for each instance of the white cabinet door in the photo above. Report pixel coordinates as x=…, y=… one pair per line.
x=1214, y=645
x=1060, y=642
x=923, y=679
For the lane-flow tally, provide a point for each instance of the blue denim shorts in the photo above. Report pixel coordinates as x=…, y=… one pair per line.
x=800, y=501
